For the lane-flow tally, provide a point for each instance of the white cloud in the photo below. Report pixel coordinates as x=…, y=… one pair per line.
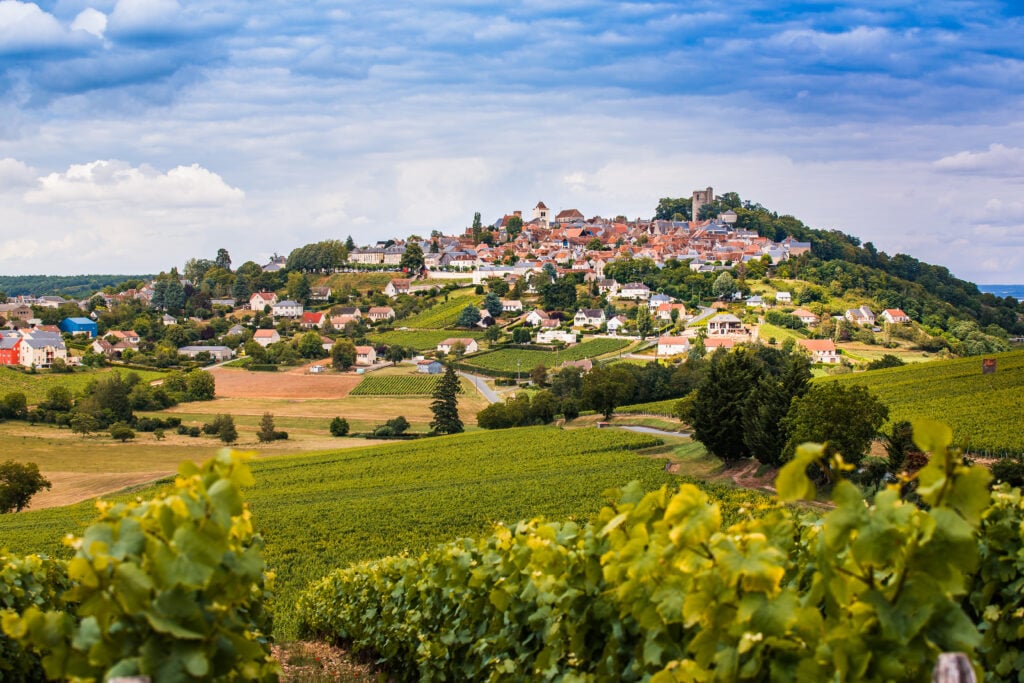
x=999, y=160
x=24, y=26
x=143, y=15
x=113, y=180
x=15, y=175
x=91, y=21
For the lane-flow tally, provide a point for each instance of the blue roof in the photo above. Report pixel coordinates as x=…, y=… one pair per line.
x=80, y=321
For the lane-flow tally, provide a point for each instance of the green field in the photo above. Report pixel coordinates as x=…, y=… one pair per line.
x=505, y=360
x=666, y=407
x=325, y=510
x=421, y=340
x=986, y=412
x=35, y=386
x=397, y=385
x=444, y=313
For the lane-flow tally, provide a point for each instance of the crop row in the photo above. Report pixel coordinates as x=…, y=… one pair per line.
x=444, y=313
x=505, y=360
x=985, y=411
x=421, y=340
x=397, y=385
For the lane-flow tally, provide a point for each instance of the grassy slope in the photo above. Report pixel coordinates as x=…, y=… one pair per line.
x=985, y=411
x=325, y=510
x=35, y=386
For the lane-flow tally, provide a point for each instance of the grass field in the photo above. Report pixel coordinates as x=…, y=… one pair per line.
x=360, y=281
x=421, y=340
x=505, y=360
x=444, y=313
x=35, y=386
x=986, y=412
x=325, y=510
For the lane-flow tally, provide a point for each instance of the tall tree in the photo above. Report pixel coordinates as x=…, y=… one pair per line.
x=845, y=418
x=644, y=324
x=605, y=389
x=223, y=259
x=349, y=244
x=343, y=354
x=514, y=226
x=412, y=259
x=298, y=287
x=18, y=483
x=267, y=431
x=492, y=304
x=478, y=228
x=725, y=284
x=718, y=405
x=469, y=316
x=445, y=406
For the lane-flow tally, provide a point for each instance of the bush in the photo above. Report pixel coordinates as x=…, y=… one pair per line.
x=1010, y=471
x=121, y=432
x=339, y=426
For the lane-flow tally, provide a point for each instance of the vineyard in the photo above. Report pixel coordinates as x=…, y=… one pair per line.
x=397, y=385
x=666, y=408
x=35, y=386
x=323, y=511
x=444, y=313
x=985, y=411
x=505, y=360
x=421, y=340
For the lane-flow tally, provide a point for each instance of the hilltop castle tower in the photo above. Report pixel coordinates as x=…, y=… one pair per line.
x=700, y=198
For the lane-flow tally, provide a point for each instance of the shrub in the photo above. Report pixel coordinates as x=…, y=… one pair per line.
x=1010, y=471
x=339, y=426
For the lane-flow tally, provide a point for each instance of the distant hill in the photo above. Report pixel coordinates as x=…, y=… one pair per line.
x=61, y=285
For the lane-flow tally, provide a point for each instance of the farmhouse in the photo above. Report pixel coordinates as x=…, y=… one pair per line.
x=468, y=344
x=806, y=317
x=397, y=286
x=126, y=336
x=822, y=350
x=535, y=317
x=365, y=355
x=320, y=293
x=616, y=323
x=664, y=312
x=79, y=326
x=287, y=309
x=511, y=306
x=895, y=316
x=713, y=343
x=311, y=320
x=589, y=317
x=260, y=300
x=266, y=337
x=672, y=346
x=783, y=298
x=551, y=336
x=429, y=367
x=378, y=313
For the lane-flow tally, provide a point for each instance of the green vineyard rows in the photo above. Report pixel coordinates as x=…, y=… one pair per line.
x=985, y=411
x=323, y=511
x=445, y=313
x=421, y=340
x=397, y=385
x=504, y=360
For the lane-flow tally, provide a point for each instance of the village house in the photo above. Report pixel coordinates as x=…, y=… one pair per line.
x=673, y=346
x=40, y=349
x=217, y=353
x=429, y=366
x=266, y=337
x=664, y=312
x=326, y=343
x=806, y=317
x=311, y=320
x=895, y=316
x=320, y=293
x=287, y=309
x=511, y=306
x=556, y=335
x=469, y=345
x=260, y=300
x=126, y=336
x=16, y=311
x=608, y=287
x=536, y=317
x=397, y=286
x=589, y=317
x=725, y=323
x=78, y=326
x=822, y=350
x=715, y=343
x=783, y=298
x=616, y=323
x=861, y=315
x=339, y=321
x=10, y=348
x=634, y=290
x=379, y=313
x=366, y=355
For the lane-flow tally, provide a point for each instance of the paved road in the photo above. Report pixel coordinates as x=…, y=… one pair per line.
x=481, y=384
x=705, y=312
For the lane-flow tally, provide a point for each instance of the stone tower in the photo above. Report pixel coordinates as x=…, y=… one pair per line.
x=700, y=198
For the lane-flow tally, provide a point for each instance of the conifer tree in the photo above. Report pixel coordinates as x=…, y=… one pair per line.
x=445, y=405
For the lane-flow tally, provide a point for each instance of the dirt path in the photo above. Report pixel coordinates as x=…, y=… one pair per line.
x=74, y=487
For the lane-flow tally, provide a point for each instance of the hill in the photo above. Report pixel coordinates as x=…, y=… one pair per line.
x=66, y=285
x=985, y=411
x=322, y=511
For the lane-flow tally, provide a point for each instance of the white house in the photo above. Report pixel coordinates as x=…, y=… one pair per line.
x=41, y=349
x=589, y=317
x=664, y=312
x=397, y=286
x=378, y=313
x=429, y=367
x=616, y=323
x=725, y=323
x=783, y=298
x=551, y=336
x=806, y=317
x=536, y=317
x=468, y=344
x=260, y=300
x=287, y=309
x=366, y=355
x=311, y=320
x=511, y=306
x=266, y=337
x=673, y=346
x=895, y=316
x=635, y=290
x=217, y=353
x=861, y=315
x=822, y=350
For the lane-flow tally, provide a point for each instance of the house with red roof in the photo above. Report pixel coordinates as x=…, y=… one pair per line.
x=894, y=316
x=822, y=350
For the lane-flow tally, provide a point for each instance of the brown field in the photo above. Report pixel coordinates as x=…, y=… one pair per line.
x=292, y=383
x=74, y=487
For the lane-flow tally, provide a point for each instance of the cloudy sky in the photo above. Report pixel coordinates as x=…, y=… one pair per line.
x=135, y=134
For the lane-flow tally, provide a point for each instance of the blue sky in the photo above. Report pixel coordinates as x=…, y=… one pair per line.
x=135, y=134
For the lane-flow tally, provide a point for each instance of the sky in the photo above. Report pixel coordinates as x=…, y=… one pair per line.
x=135, y=134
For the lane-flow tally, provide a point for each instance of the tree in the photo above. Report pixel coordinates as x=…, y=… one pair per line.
x=717, y=414
x=605, y=389
x=724, y=285
x=339, y=426
x=765, y=409
x=644, y=324
x=670, y=208
x=200, y=386
x=223, y=259
x=412, y=259
x=83, y=422
x=492, y=304
x=18, y=483
x=478, y=228
x=539, y=375
x=58, y=399
x=559, y=295
x=174, y=294
x=595, y=245
x=266, y=432
x=845, y=418
x=445, y=406
x=343, y=354
x=886, y=361
x=309, y=345
x=14, y=406
x=521, y=335
x=469, y=316
x=121, y=432
x=298, y=287
x=514, y=226
x=224, y=427
x=349, y=244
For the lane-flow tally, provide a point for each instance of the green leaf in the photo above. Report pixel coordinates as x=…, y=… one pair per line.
x=931, y=436
x=792, y=483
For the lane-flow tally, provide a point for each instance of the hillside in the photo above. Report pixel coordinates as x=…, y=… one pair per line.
x=326, y=510
x=985, y=411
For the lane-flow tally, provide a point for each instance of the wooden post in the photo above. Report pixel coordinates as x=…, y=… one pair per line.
x=953, y=667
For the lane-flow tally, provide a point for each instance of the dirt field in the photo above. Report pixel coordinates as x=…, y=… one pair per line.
x=74, y=487
x=293, y=383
